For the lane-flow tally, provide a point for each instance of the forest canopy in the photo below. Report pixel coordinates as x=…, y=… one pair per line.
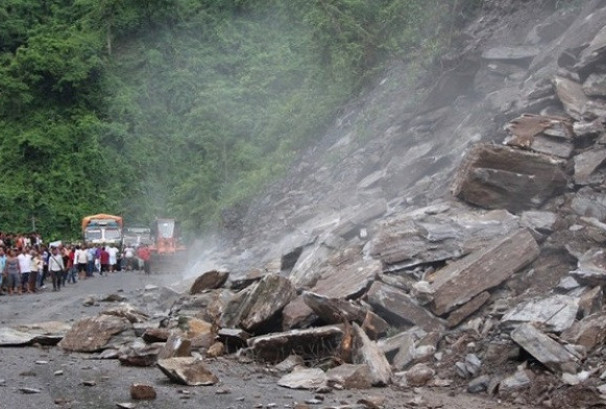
x=181, y=108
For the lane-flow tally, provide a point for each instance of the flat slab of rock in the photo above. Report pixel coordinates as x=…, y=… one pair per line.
x=458, y=316
x=572, y=96
x=507, y=178
x=297, y=314
x=398, y=308
x=511, y=53
x=209, y=281
x=367, y=352
x=187, y=371
x=544, y=349
x=462, y=280
x=308, y=378
x=334, y=310
x=127, y=311
x=348, y=280
x=253, y=307
x=93, y=334
x=140, y=355
x=45, y=333
x=275, y=347
x=557, y=313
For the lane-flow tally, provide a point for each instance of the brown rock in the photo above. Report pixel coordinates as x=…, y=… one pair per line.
x=139, y=391
x=496, y=177
x=209, y=281
x=419, y=375
x=176, y=346
x=374, y=326
x=461, y=281
x=187, y=371
x=372, y=402
x=200, y=333
x=351, y=376
x=334, y=310
x=215, y=350
x=397, y=308
x=591, y=301
x=93, y=334
x=367, y=352
x=152, y=335
x=458, y=315
x=127, y=311
x=297, y=314
x=589, y=332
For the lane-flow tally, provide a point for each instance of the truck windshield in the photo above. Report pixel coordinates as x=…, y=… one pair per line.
x=166, y=229
x=92, y=234
x=112, y=234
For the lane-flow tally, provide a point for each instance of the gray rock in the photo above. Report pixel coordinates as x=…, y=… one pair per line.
x=139, y=354
x=593, y=54
x=595, y=85
x=290, y=363
x=517, y=381
x=297, y=314
x=367, y=352
x=572, y=96
x=350, y=226
x=540, y=221
x=551, y=28
x=556, y=313
x=461, y=281
x=127, y=311
x=187, y=371
x=544, y=349
x=586, y=163
x=479, y=384
x=567, y=284
x=504, y=177
x=457, y=316
x=591, y=268
x=584, y=129
x=588, y=203
x=304, y=378
x=591, y=301
x=46, y=333
x=259, y=303
x=306, y=270
x=398, y=308
x=93, y=334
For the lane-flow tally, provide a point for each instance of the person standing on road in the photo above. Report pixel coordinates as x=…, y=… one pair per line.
x=129, y=257
x=81, y=260
x=113, y=257
x=36, y=269
x=144, y=254
x=56, y=267
x=12, y=272
x=25, y=267
x=2, y=265
x=90, y=260
x=104, y=258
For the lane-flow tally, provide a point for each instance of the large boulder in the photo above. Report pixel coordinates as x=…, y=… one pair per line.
x=496, y=177
x=254, y=307
x=209, y=280
x=461, y=281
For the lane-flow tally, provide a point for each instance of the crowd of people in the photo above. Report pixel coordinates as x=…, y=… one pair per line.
x=27, y=264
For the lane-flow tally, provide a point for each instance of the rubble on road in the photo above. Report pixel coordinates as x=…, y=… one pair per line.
x=187, y=371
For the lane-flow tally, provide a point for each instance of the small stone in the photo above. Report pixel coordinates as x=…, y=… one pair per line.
x=89, y=383
x=126, y=405
x=58, y=373
x=419, y=375
x=222, y=391
x=313, y=401
x=372, y=402
x=215, y=350
x=140, y=391
x=479, y=384
x=29, y=391
x=41, y=362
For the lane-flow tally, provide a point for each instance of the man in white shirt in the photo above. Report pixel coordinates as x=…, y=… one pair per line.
x=25, y=265
x=113, y=257
x=81, y=259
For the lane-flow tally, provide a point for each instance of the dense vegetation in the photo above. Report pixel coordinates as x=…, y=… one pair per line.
x=180, y=107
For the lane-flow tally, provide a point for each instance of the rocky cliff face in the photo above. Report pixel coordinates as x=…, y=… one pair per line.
x=470, y=220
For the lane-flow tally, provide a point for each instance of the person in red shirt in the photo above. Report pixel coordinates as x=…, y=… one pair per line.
x=104, y=259
x=144, y=254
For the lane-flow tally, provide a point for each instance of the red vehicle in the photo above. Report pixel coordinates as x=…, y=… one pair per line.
x=168, y=253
